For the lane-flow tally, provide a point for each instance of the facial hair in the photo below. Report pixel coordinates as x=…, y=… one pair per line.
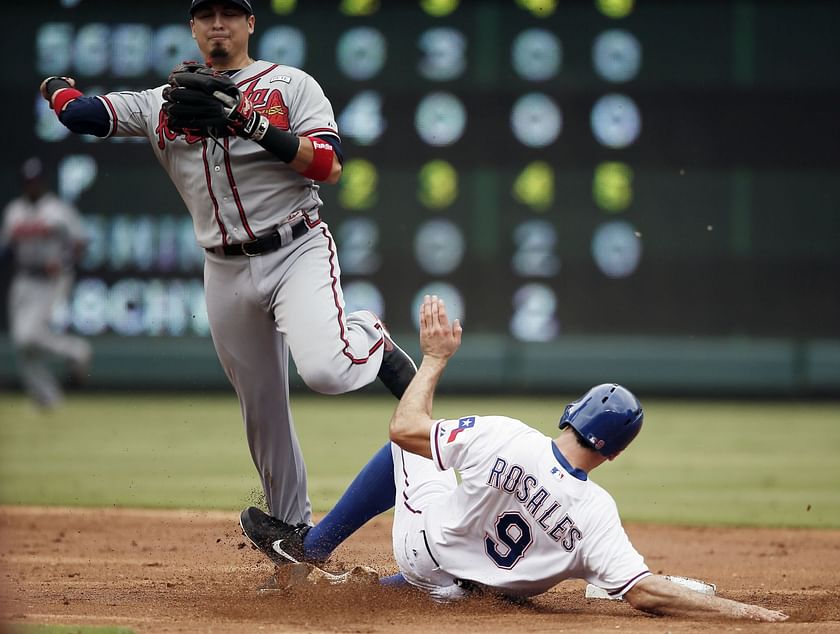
x=219, y=52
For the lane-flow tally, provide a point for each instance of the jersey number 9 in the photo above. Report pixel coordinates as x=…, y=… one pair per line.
x=514, y=537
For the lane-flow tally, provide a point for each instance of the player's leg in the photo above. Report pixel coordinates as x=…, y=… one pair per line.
x=371, y=493
x=29, y=314
x=418, y=484
x=74, y=349
x=334, y=352
x=37, y=378
x=255, y=358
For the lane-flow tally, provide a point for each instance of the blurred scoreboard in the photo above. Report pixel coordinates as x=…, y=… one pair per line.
x=549, y=168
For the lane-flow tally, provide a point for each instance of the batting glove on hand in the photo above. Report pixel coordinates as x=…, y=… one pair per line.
x=53, y=84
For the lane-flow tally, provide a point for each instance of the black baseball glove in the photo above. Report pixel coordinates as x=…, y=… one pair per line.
x=204, y=102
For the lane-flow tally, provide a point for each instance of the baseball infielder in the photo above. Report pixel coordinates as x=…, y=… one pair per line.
x=47, y=236
x=525, y=515
x=271, y=272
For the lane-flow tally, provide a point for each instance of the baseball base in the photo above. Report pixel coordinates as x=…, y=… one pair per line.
x=594, y=592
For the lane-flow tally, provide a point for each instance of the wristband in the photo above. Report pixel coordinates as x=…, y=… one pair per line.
x=283, y=145
x=63, y=97
x=322, y=160
x=259, y=129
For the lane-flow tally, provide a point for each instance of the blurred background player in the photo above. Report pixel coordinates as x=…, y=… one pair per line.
x=47, y=237
x=525, y=515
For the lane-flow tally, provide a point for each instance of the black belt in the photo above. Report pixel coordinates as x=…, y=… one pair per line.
x=263, y=244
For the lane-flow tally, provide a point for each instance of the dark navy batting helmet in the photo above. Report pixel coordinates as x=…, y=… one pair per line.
x=608, y=417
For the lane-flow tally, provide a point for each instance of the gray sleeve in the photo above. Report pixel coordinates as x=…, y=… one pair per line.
x=311, y=111
x=134, y=113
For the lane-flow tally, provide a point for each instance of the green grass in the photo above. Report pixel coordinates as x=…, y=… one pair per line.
x=698, y=462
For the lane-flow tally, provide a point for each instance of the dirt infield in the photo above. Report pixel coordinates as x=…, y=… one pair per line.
x=158, y=571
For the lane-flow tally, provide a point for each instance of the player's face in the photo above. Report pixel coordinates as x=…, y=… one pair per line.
x=221, y=31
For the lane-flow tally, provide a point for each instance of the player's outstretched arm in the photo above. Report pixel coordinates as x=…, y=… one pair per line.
x=439, y=340
x=659, y=596
x=79, y=114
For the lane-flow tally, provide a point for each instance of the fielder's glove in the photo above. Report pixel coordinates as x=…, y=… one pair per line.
x=204, y=102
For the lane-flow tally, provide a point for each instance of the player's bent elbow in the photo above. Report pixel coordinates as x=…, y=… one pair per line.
x=411, y=434
x=396, y=432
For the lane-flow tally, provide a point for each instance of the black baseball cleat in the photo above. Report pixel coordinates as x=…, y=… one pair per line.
x=281, y=542
x=397, y=367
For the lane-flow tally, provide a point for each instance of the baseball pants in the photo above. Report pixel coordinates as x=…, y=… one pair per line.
x=261, y=309
x=32, y=301
x=418, y=484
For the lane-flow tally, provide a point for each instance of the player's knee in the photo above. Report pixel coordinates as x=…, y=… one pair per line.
x=324, y=380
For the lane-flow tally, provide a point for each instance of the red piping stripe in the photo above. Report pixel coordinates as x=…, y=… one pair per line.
x=210, y=191
x=235, y=191
x=405, y=496
x=340, y=315
x=319, y=131
x=114, y=117
x=258, y=75
x=437, y=449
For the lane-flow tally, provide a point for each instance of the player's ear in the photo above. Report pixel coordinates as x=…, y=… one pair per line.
x=192, y=28
x=251, y=22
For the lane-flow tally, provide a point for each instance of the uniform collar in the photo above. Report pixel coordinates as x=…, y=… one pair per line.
x=580, y=474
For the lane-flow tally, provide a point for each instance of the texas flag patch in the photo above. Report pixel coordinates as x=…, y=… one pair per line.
x=463, y=423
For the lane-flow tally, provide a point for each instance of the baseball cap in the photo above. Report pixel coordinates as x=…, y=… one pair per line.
x=244, y=4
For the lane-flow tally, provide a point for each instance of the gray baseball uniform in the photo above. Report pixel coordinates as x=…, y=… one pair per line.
x=44, y=235
x=261, y=308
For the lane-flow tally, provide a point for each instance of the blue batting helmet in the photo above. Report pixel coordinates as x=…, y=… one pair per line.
x=608, y=417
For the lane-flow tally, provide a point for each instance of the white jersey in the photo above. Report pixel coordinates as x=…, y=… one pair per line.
x=43, y=233
x=522, y=519
x=235, y=190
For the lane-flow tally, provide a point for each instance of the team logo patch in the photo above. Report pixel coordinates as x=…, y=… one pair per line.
x=164, y=134
x=284, y=78
x=596, y=442
x=275, y=110
x=463, y=423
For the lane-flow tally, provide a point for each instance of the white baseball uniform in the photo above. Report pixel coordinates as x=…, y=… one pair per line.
x=521, y=520
x=45, y=235
x=262, y=307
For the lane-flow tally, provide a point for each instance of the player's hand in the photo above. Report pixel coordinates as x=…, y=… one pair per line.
x=439, y=338
x=758, y=613
x=243, y=120
x=43, y=87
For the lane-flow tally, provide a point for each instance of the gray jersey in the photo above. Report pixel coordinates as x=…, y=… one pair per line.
x=44, y=234
x=234, y=190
